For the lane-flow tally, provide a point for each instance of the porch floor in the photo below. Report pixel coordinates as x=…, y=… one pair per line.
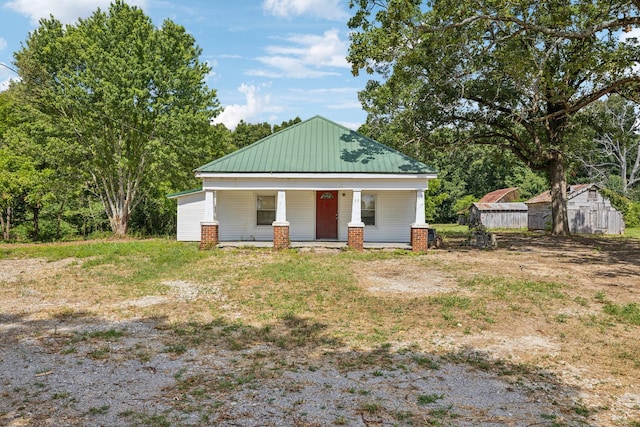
x=314, y=244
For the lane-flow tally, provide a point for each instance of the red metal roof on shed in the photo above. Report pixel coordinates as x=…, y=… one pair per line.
x=498, y=196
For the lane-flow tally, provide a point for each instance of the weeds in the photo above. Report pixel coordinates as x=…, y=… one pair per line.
x=371, y=407
x=100, y=353
x=426, y=399
x=99, y=410
x=628, y=314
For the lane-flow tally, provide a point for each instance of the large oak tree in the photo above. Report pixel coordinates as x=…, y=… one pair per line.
x=500, y=72
x=132, y=95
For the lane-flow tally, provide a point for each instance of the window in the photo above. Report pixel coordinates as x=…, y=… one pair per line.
x=368, y=209
x=593, y=194
x=266, y=209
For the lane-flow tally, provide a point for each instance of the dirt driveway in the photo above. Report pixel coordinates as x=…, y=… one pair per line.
x=493, y=350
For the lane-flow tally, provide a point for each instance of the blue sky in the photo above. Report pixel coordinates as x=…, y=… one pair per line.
x=272, y=60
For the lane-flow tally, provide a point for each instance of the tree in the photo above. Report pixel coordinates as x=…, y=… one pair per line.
x=616, y=142
x=132, y=95
x=24, y=181
x=286, y=124
x=248, y=133
x=498, y=72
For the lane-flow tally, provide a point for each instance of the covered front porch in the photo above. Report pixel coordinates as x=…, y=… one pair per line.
x=330, y=217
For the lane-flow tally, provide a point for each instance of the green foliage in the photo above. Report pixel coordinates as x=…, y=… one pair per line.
x=247, y=133
x=286, y=124
x=436, y=197
x=129, y=96
x=502, y=73
x=427, y=399
x=464, y=203
x=630, y=210
x=528, y=182
x=466, y=173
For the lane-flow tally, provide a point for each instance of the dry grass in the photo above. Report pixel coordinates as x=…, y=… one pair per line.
x=567, y=307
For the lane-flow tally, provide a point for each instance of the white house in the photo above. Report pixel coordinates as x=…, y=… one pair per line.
x=315, y=180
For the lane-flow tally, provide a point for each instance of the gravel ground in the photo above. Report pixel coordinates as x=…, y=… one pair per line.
x=69, y=373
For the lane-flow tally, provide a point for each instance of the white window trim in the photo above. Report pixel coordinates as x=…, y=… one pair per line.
x=375, y=211
x=255, y=208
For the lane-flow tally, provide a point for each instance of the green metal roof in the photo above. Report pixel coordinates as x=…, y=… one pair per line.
x=316, y=145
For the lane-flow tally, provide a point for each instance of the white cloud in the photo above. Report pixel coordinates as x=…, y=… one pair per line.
x=345, y=105
x=634, y=33
x=288, y=67
x=6, y=76
x=4, y=84
x=66, y=11
x=325, y=50
x=211, y=75
x=351, y=125
x=326, y=9
x=3, y=43
x=305, y=56
x=256, y=105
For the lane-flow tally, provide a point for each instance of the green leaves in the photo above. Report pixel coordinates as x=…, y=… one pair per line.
x=132, y=95
x=510, y=74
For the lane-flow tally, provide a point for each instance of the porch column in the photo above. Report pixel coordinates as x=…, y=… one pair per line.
x=355, y=237
x=281, y=225
x=209, y=224
x=420, y=229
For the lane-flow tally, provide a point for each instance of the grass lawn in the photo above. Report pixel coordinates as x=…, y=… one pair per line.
x=567, y=307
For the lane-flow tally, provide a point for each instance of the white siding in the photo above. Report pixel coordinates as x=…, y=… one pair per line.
x=190, y=213
x=345, y=198
x=395, y=212
x=301, y=215
x=236, y=215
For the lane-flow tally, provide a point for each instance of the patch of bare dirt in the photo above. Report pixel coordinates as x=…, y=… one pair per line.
x=389, y=276
x=17, y=270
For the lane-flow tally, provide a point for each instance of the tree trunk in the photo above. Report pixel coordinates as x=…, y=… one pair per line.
x=36, y=221
x=59, y=220
x=4, y=236
x=6, y=224
x=558, y=181
x=119, y=225
x=119, y=218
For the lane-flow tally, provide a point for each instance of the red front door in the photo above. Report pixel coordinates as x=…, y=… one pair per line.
x=326, y=214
